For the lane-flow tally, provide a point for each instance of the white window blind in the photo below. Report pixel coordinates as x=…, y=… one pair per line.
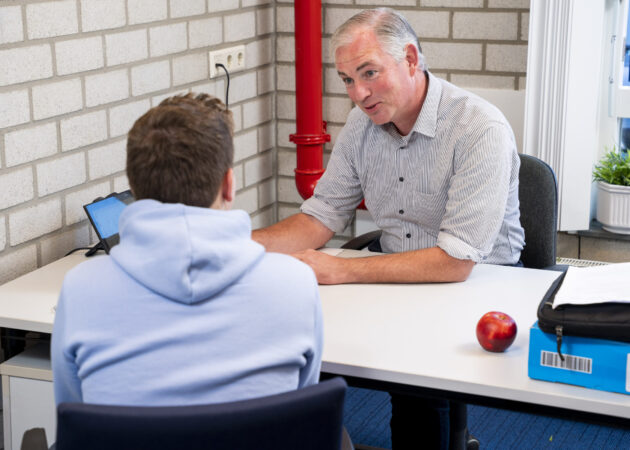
x=564, y=97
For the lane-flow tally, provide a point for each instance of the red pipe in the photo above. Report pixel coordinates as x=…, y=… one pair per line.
x=310, y=133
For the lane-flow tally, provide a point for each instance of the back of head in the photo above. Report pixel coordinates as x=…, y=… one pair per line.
x=180, y=150
x=392, y=30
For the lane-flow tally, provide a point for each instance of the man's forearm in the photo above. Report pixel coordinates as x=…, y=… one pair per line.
x=431, y=265
x=293, y=234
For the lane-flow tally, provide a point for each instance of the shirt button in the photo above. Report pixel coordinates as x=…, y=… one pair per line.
x=408, y=235
x=401, y=211
x=401, y=179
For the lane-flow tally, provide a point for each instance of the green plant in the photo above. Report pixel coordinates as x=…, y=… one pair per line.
x=613, y=168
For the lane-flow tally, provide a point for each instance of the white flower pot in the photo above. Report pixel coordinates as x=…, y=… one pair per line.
x=613, y=207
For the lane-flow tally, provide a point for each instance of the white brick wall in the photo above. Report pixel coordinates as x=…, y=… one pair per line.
x=245, y=145
x=3, y=234
x=106, y=87
x=285, y=19
x=122, y=118
x=287, y=191
x=101, y=15
x=82, y=71
x=429, y=24
x=86, y=129
x=266, y=137
x=34, y=221
x=242, y=87
x=286, y=106
x=286, y=77
x=14, y=108
x=257, y=112
x=167, y=39
x=222, y=5
x=267, y=193
x=247, y=200
x=264, y=21
x=182, y=8
x=30, y=144
x=190, y=68
x=16, y=186
x=126, y=47
x=142, y=11
x=11, y=29
x=205, y=32
x=506, y=58
x=79, y=55
x=483, y=25
x=258, y=169
x=16, y=263
x=59, y=174
x=452, y=3
x=76, y=200
x=60, y=97
x=49, y=19
x=265, y=79
x=446, y=55
x=25, y=64
x=150, y=77
x=240, y=26
x=107, y=159
x=56, y=246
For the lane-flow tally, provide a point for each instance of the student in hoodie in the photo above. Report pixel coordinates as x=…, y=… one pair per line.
x=187, y=309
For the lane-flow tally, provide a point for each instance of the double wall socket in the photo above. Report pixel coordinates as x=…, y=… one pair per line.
x=233, y=58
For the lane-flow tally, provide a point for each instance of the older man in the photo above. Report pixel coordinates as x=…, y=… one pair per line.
x=438, y=169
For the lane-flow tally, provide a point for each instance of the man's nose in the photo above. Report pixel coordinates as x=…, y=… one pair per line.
x=361, y=91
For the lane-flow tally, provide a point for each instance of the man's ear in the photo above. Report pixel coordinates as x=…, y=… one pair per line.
x=228, y=186
x=411, y=56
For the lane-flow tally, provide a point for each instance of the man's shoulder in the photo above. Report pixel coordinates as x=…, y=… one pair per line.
x=460, y=103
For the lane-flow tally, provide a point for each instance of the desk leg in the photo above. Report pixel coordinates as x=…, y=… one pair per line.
x=6, y=412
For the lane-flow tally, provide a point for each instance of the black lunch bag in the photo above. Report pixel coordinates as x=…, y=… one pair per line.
x=602, y=321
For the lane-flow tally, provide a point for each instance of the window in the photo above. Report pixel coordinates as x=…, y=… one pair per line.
x=577, y=95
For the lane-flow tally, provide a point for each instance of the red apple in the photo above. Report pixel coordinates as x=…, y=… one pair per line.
x=496, y=331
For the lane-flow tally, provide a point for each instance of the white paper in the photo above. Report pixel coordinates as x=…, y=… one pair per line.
x=597, y=284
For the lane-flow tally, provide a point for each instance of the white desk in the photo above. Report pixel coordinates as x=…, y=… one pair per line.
x=413, y=335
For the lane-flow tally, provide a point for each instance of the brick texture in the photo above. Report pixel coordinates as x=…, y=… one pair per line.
x=59, y=174
x=11, y=28
x=76, y=74
x=30, y=144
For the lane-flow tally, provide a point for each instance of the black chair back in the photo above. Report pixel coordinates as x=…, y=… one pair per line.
x=309, y=418
x=538, y=197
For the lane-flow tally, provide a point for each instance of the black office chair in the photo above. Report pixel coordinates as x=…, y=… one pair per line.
x=309, y=418
x=538, y=197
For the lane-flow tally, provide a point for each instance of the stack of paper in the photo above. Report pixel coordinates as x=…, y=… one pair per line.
x=598, y=284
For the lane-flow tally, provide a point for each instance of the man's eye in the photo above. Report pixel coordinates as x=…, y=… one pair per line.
x=369, y=73
x=347, y=81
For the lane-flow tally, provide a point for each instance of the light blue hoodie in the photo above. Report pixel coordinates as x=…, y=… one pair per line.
x=187, y=309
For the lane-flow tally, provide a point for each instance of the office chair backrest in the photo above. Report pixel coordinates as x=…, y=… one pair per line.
x=309, y=418
x=538, y=197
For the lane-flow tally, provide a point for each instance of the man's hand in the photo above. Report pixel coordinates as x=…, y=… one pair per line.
x=430, y=265
x=328, y=269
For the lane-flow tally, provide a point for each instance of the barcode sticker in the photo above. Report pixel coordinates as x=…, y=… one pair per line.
x=573, y=363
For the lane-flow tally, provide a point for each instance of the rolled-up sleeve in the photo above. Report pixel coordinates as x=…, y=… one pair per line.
x=338, y=192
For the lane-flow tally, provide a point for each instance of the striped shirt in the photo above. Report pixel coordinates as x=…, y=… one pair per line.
x=452, y=182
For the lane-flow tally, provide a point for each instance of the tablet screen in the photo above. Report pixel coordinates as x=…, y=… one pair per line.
x=105, y=215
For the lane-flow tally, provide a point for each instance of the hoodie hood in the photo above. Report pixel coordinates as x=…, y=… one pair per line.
x=185, y=253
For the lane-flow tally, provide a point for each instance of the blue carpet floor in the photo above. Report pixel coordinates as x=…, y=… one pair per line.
x=367, y=415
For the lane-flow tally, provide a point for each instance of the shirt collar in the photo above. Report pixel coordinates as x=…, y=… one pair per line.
x=426, y=123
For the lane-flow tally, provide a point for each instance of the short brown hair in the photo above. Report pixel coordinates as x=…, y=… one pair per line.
x=180, y=150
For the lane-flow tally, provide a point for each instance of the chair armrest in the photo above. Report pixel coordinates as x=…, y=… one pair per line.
x=362, y=241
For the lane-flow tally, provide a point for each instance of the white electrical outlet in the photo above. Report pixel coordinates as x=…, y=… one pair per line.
x=233, y=58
